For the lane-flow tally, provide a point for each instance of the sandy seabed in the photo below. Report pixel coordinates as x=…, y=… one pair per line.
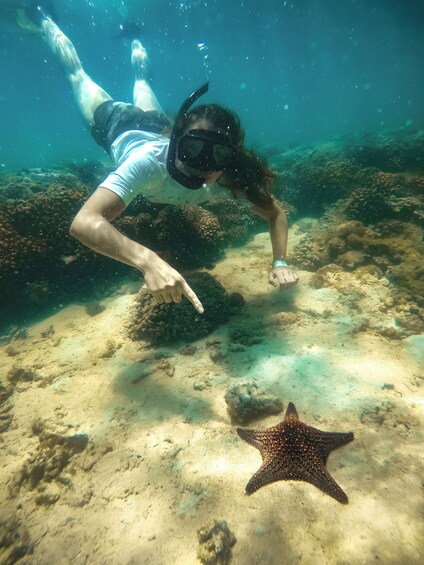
x=163, y=458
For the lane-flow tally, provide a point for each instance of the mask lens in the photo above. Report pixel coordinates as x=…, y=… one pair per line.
x=203, y=153
x=222, y=154
x=189, y=148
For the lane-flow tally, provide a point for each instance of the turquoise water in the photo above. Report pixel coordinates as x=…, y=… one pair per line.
x=118, y=417
x=295, y=71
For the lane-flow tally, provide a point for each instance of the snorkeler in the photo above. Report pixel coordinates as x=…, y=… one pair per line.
x=198, y=158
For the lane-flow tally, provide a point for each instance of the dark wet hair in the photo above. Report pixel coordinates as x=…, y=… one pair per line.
x=248, y=176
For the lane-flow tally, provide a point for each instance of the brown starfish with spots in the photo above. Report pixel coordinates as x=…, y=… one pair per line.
x=293, y=451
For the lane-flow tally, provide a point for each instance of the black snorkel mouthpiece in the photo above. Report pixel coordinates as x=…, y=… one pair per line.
x=193, y=183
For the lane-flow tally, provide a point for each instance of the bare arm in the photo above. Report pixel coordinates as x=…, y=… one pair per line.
x=278, y=230
x=92, y=227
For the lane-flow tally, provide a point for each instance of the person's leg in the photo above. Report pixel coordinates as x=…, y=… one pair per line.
x=143, y=94
x=87, y=93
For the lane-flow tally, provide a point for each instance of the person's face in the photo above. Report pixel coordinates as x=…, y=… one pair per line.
x=210, y=176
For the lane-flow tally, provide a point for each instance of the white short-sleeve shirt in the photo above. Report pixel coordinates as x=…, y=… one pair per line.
x=140, y=159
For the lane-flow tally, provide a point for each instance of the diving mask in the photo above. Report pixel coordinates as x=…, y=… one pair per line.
x=202, y=150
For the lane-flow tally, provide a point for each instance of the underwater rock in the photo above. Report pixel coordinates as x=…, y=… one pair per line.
x=390, y=413
x=91, y=173
x=188, y=350
x=15, y=541
x=346, y=229
x=391, y=249
x=14, y=333
x=11, y=351
x=6, y=415
x=409, y=277
x=17, y=374
x=326, y=276
x=203, y=231
x=246, y=401
x=55, y=451
x=398, y=327
x=169, y=323
x=215, y=543
x=351, y=259
x=217, y=352
x=369, y=205
x=377, y=177
x=285, y=320
x=48, y=332
x=246, y=336
x=167, y=367
x=329, y=241
x=110, y=348
x=94, y=308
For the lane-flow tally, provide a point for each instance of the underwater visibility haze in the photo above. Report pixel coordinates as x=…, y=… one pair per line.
x=294, y=71
x=283, y=424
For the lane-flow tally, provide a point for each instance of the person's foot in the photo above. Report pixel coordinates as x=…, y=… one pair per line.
x=31, y=18
x=140, y=61
x=39, y=10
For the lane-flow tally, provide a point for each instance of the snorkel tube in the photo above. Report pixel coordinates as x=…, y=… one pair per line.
x=193, y=183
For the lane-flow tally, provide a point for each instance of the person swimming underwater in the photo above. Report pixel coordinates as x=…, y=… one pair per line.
x=199, y=157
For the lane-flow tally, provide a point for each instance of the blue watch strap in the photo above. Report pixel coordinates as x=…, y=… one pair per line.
x=279, y=263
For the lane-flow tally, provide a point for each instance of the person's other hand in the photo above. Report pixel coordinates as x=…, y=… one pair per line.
x=167, y=285
x=283, y=277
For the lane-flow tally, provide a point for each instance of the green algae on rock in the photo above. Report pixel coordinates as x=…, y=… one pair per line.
x=247, y=401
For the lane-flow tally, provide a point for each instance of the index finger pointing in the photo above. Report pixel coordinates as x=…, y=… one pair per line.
x=187, y=291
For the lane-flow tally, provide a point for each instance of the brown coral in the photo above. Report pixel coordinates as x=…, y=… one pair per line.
x=189, y=235
x=168, y=323
x=215, y=543
x=41, y=265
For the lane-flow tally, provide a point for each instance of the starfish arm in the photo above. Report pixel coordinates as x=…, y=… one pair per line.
x=327, y=441
x=254, y=437
x=319, y=477
x=291, y=415
x=322, y=479
x=275, y=469
x=263, y=476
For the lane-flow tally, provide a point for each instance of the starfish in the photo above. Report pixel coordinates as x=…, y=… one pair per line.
x=293, y=451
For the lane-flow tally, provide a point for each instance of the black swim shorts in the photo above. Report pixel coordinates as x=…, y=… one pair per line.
x=113, y=118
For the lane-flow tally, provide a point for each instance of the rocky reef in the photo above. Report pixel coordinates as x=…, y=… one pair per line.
x=367, y=193
x=373, y=174
x=42, y=266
